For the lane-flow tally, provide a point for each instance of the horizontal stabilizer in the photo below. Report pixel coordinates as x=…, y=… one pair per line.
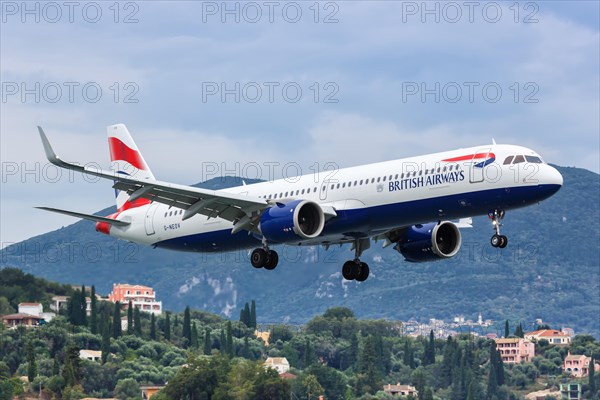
x=86, y=216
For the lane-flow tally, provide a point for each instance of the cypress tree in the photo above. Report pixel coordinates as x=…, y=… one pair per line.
x=152, y=327
x=247, y=319
x=499, y=369
x=72, y=368
x=253, y=315
x=117, y=321
x=506, y=329
x=207, y=342
x=592, y=378
x=167, y=332
x=448, y=362
x=408, y=357
x=492, y=387
x=74, y=308
x=137, y=323
x=229, y=340
x=93, y=311
x=83, y=307
x=31, y=364
x=307, y=354
x=429, y=353
x=105, y=345
x=187, y=326
x=222, y=343
x=246, y=349
x=519, y=331
x=130, y=317
x=194, y=340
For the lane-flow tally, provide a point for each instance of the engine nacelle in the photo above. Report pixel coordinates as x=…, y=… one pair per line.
x=429, y=242
x=293, y=221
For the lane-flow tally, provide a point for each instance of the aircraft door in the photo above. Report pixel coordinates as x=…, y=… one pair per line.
x=477, y=165
x=323, y=190
x=149, y=220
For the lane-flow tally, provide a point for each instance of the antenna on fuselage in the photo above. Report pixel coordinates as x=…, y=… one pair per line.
x=493, y=141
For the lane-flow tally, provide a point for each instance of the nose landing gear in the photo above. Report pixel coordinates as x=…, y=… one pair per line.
x=497, y=239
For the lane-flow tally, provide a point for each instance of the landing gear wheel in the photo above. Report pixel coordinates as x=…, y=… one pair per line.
x=503, y=241
x=363, y=272
x=495, y=241
x=272, y=260
x=258, y=258
x=350, y=270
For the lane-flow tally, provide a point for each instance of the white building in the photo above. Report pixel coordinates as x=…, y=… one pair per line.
x=280, y=364
x=37, y=310
x=92, y=355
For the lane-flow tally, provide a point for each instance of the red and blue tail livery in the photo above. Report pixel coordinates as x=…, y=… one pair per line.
x=416, y=205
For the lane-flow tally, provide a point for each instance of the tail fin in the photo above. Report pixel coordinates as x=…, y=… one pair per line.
x=126, y=159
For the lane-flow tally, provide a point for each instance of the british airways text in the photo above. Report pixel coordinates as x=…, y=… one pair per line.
x=431, y=180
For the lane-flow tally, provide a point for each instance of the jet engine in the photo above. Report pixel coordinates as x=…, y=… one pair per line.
x=293, y=221
x=429, y=242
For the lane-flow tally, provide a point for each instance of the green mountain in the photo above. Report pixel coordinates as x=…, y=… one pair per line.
x=550, y=270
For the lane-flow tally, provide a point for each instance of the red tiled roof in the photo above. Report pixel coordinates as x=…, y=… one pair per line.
x=547, y=332
x=287, y=375
x=30, y=304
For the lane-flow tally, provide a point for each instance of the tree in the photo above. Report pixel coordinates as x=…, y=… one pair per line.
x=83, y=307
x=93, y=311
x=207, y=342
x=130, y=317
x=167, y=330
x=246, y=349
x=429, y=353
x=229, y=340
x=222, y=343
x=519, y=331
x=408, y=357
x=105, y=345
x=127, y=388
x=245, y=315
x=31, y=364
x=152, y=327
x=137, y=323
x=312, y=386
x=187, y=326
x=253, y=315
x=492, y=387
x=117, y=321
x=506, y=329
x=592, y=378
x=194, y=340
x=308, y=357
x=72, y=369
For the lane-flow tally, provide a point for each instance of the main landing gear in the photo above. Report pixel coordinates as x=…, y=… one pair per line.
x=264, y=257
x=356, y=269
x=497, y=240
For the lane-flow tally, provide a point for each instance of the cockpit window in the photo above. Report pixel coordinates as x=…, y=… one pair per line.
x=533, y=159
x=519, y=159
x=508, y=160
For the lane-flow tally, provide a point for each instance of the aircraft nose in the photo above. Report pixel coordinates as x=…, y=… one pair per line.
x=554, y=177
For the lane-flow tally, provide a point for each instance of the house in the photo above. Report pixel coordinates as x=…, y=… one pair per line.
x=31, y=308
x=570, y=391
x=280, y=364
x=92, y=355
x=142, y=297
x=37, y=310
x=400, y=390
x=150, y=390
x=553, y=336
x=515, y=350
x=578, y=365
x=28, y=320
x=61, y=302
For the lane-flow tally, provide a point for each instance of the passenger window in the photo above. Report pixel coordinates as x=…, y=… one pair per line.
x=372, y=180
x=390, y=177
x=533, y=159
x=444, y=170
x=402, y=175
x=361, y=181
x=420, y=173
x=508, y=160
x=384, y=178
x=378, y=179
x=396, y=177
x=302, y=191
x=519, y=159
x=355, y=183
x=166, y=215
x=338, y=186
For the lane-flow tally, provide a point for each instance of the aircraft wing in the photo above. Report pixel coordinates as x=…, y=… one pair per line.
x=243, y=211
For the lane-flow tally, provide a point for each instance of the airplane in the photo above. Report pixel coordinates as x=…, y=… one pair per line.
x=415, y=204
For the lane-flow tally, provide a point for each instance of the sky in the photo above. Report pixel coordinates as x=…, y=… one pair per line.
x=269, y=89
